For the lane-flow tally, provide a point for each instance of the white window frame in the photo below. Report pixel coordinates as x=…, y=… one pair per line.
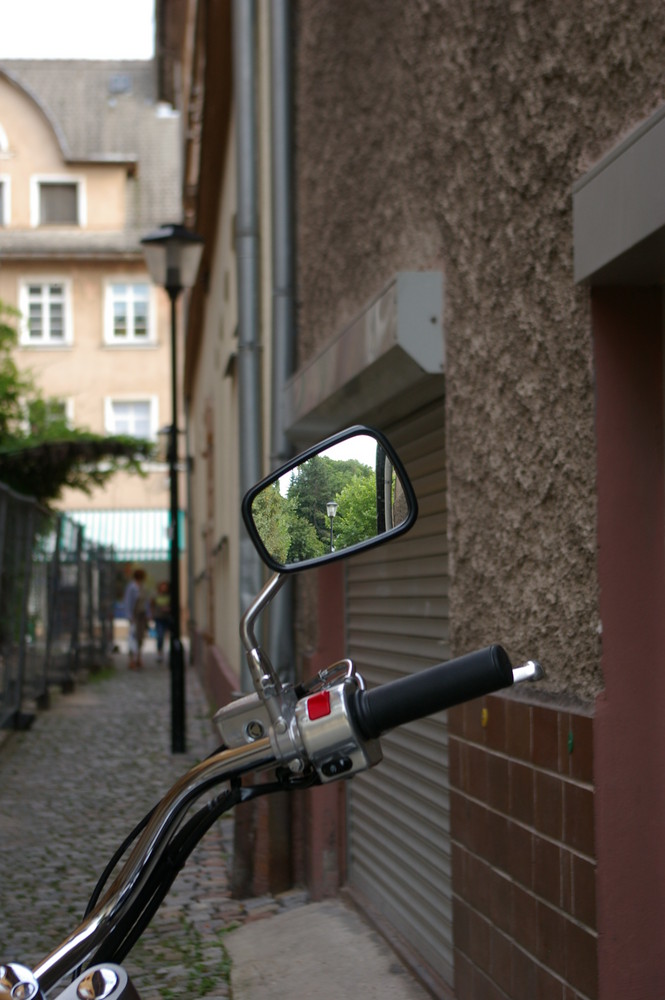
x=134, y=397
x=24, y=306
x=81, y=199
x=131, y=340
x=6, y=197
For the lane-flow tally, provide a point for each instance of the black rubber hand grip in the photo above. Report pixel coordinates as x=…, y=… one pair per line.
x=432, y=690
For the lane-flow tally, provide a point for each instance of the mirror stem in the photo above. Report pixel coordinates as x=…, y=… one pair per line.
x=260, y=666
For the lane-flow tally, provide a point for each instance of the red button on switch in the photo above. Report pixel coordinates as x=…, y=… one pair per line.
x=318, y=705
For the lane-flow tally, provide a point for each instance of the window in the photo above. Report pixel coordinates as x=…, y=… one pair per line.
x=57, y=201
x=128, y=319
x=58, y=204
x=136, y=417
x=44, y=413
x=46, y=312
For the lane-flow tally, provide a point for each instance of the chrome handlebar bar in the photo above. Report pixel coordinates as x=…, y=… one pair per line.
x=90, y=934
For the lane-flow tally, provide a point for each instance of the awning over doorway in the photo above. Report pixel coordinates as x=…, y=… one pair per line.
x=134, y=535
x=392, y=356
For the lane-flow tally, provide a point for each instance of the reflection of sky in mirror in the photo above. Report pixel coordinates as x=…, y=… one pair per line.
x=361, y=447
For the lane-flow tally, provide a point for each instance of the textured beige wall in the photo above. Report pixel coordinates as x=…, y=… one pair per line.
x=214, y=441
x=449, y=134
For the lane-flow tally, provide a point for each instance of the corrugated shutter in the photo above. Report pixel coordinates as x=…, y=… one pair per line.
x=397, y=621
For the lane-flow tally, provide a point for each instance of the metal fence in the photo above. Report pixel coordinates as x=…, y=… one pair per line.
x=56, y=605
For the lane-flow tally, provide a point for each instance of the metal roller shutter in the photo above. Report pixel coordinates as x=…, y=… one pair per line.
x=397, y=622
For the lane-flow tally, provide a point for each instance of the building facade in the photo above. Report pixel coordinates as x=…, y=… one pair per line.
x=477, y=237
x=89, y=163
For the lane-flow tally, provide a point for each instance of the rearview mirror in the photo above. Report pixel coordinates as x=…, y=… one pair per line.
x=344, y=495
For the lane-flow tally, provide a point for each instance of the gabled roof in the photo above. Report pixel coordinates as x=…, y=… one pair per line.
x=107, y=112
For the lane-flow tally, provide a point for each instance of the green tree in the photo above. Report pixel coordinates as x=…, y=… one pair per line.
x=270, y=512
x=318, y=481
x=304, y=541
x=356, y=512
x=40, y=455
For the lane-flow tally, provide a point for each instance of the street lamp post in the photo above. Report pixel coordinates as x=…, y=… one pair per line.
x=172, y=254
x=331, y=508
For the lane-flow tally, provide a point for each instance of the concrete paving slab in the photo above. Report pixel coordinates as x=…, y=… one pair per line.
x=319, y=949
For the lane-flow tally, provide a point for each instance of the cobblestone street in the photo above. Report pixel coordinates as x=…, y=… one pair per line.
x=71, y=788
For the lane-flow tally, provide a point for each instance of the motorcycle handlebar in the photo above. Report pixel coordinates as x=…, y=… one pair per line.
x=432, y=690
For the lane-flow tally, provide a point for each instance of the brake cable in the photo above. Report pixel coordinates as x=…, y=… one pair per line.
x=129, y=929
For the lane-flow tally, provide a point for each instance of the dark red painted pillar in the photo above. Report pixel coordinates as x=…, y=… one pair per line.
x=630, y=714
x=324, y=813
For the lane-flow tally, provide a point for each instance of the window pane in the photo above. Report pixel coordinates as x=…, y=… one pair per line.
x=129, y=311
x=35, y=320
x=142, y=420
x=47, y=312
x=119, y=319
x=58, y=204
x=57, y=321
x=131, y=417
x=120, y=417
x=140, y=319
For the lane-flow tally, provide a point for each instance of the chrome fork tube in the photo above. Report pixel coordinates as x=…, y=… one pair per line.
x=91, y=933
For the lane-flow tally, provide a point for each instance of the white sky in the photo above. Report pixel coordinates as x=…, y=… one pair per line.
x=76, y=29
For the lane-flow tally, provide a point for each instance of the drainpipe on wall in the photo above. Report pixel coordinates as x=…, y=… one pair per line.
x=247, y=253
x=191, y=629
x=280, y=640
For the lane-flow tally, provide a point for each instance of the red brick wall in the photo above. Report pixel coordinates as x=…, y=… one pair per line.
x=522, y=819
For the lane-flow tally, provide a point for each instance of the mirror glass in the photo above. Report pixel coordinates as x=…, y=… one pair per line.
x=345, y=495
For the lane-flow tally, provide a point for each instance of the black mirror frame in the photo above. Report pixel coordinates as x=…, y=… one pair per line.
x=329, y=557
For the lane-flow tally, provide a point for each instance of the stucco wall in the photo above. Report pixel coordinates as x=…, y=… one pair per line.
x=214, y=444
x=449, y=134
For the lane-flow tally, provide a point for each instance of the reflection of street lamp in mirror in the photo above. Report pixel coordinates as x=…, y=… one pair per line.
x=331, y=508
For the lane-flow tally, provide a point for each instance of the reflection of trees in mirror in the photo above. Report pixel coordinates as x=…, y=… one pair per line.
x=270, y=513
x=296, y=527
x=317, y=482
x=356, y=514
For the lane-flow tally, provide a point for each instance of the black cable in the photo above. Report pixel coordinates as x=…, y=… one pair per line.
x=127, y=842
x=103, y=878
x=127, y=932
x=120, y=851
x=129, y=929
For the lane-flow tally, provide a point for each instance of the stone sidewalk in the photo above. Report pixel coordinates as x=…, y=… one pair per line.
x=71, y=788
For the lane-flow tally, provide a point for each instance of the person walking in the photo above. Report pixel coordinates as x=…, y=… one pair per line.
x=136, y=609
x=161, y=613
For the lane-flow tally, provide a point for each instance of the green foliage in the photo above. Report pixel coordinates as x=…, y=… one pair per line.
x=318, y=481
x=270, y=514
x=14, y=384
x=40, y=455
x=304, y=543
x=296, y=527
x=356, y=514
